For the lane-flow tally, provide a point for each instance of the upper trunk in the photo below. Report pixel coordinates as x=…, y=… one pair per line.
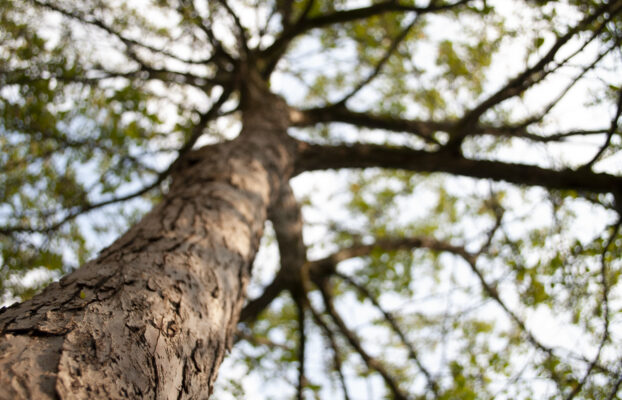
x=151, y=317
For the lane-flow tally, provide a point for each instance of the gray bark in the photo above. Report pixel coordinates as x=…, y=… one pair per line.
x=153, y=315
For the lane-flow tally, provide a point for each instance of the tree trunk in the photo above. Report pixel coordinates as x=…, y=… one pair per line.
x=152, y=316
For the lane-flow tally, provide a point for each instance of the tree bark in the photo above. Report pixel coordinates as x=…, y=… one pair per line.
x=154, y=313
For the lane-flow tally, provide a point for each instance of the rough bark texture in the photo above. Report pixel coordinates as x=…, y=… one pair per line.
x=153, y=315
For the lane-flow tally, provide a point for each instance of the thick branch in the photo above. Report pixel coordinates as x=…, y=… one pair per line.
x=326, y=266
x=317, y=157
x=302, y=346
x=426, y=129
x=423, y=129
x=287, y=223
x=254, y=307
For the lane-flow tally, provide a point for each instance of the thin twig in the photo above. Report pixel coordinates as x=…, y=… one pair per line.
x=530, y=76
x=125, y=40
x=412, y=353
x=616, y=387
x=612, y=129
x=605, y=302
x=371, y=362
x=197, y=132
x=328, y=333
x=387, y=55
x=242, y=39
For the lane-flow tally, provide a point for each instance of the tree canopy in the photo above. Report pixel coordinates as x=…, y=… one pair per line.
x=457, y=169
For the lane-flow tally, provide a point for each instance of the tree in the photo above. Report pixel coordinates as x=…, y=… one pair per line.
x=104, y=103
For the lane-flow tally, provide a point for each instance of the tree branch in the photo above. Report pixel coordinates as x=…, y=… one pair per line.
x=287, y=222
x=125, y=40
x=81, y=210
x=273, y=53
x=242, y=39
x=354, y=14
x=522, y=127
x=387, y=55
x=302, y=345
x=371, y=362
x=616, y=387
x=412, y=353
x=425, y=129
x=221, y=57
x=530, y=76
x=254, y=307
x=197, y=132
x=286, y=219
x=326, y=266
x=318, y=157
x=328, y=333
x=520, y=131
x=247, y=335
x=612, y=129
x=144, y=73
x=606, y=286
x=321, y=270
x=339, y=113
